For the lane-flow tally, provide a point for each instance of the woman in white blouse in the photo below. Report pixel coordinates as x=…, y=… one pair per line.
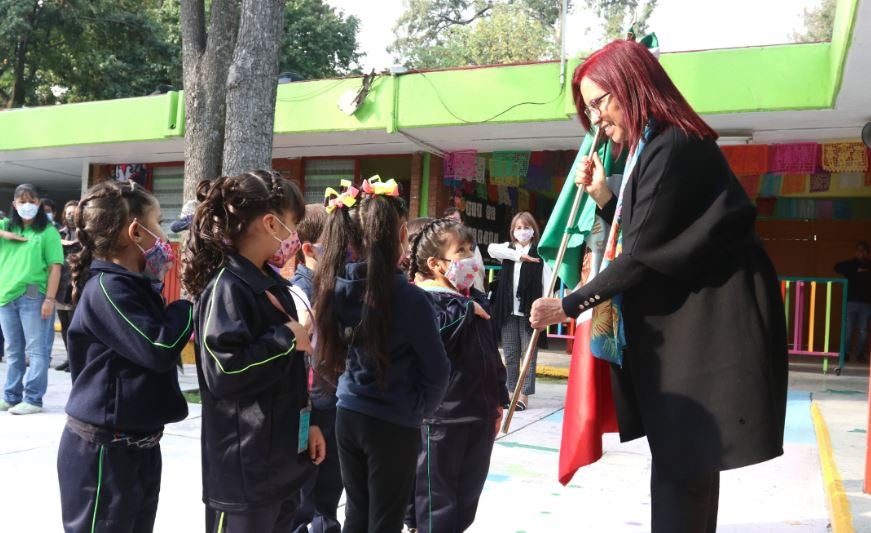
x=522, y=281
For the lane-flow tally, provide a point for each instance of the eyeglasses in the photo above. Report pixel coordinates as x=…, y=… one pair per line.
x=593, y=109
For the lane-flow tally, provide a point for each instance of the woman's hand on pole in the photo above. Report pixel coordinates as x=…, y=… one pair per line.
x=547, y=311
x=591, y=174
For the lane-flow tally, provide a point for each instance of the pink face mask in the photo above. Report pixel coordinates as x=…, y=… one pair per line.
x=158, y=259
x=286, y=248
x=461, y=273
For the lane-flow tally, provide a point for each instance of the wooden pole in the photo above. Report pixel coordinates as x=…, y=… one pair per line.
x=533, y=341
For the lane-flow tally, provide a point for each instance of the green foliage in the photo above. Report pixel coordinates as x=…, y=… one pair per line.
x=318, y=41
x=79, y=50
x=73, y=50
x=618, y=15
x=819, y=23
x=447, y=33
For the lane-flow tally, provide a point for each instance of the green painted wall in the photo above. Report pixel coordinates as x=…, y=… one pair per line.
x=770, y=78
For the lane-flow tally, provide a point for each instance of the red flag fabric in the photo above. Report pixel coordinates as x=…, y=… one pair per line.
x=589, y=411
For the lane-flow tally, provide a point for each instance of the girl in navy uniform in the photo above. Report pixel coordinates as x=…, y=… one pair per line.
x=457, y=439
x=257, y=446
x=379, y=332
x=124, y=344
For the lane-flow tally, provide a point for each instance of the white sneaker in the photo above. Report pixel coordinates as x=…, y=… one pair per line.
x=24, y=408
x=5, y=406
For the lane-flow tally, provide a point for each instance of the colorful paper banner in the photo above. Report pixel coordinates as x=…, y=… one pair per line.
x=845, y=157
x=795, y=157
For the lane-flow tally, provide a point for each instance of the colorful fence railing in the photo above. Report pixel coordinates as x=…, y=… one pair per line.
x=805, y=302
x=563, y=330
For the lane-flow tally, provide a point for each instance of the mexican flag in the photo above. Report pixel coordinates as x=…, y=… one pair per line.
x=589, y=410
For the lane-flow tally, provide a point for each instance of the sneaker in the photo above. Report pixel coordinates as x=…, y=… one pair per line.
x=5, y=406
x=24, y=408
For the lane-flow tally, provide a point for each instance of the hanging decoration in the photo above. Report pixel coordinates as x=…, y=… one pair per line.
x=794, y=184
x=845, y=157
x=820, y=182
x=509, y=167
x=770, y=185
x=795, y=157
x=849, y=180
x=747, y=159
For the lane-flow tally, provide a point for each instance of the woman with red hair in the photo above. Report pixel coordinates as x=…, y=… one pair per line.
x=688, y=309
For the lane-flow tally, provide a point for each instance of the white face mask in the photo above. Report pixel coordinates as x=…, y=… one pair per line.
x=26, y=210
x=523, y=235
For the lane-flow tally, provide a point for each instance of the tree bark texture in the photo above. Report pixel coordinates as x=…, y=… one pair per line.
x=206, y=58
x=251, y=86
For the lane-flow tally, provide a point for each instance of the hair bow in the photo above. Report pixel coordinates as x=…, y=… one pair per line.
x=374, y=185
x=346, y=198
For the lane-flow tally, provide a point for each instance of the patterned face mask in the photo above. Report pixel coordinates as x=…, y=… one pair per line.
x=461, y=273
x=287, y=248
x=158, y=259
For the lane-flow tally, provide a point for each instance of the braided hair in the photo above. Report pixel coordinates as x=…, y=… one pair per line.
x=431, y=241
x=226, y=207
x=102, y=214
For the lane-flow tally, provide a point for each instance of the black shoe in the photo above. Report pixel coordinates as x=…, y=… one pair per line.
x=63, y=367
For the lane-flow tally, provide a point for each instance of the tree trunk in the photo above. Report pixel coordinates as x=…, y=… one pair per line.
x=206, y=60
x=251, y=87
x=19, y=87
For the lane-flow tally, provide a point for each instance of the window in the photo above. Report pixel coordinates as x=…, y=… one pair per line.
x=323, y=173
x=168, y=186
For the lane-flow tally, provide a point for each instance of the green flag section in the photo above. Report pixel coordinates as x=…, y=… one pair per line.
x=551, y=237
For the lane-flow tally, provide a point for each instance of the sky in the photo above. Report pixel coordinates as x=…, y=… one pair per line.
x=679, y=24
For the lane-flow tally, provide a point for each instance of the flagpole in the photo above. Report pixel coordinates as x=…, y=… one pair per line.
x=533, y=341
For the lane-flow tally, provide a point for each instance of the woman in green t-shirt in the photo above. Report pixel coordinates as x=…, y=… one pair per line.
x=31, y=256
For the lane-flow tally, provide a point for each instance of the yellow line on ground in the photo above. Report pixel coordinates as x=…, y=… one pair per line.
x=551, y=371
x=836, y=497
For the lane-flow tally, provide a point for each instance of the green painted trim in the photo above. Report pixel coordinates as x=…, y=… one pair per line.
x=99, y=489
x=763, y=78
x=842, y=36
x=423, y=209
x=185, y=331
x=215, y=357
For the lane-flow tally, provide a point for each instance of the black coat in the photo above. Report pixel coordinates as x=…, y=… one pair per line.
x=253, y=384
x=705, y=368
x=124, y=343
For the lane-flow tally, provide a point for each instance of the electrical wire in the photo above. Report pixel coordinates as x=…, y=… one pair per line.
x=494, y=117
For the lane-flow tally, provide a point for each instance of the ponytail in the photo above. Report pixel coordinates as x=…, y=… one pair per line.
x=372, y=230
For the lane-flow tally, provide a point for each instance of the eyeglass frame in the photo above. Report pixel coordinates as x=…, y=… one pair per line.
x=593, y=108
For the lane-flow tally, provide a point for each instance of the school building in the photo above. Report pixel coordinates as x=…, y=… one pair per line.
x=494, y=140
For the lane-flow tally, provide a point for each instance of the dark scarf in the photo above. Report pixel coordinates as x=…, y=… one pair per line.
x=529, y=288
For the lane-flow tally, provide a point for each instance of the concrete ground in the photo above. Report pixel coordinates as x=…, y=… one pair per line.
x=521, y=493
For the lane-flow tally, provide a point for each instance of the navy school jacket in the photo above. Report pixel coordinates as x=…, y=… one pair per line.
x=253, y=385
x=417, y=376
x=124, y=344
x=477, y=384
